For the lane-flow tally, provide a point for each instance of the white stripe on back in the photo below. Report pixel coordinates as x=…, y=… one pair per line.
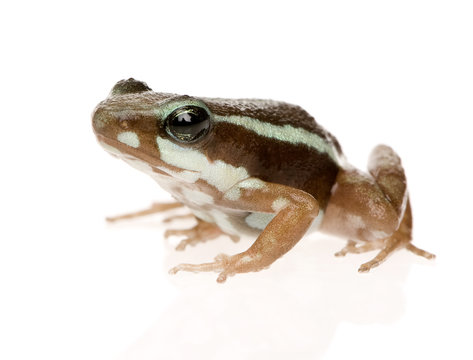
x=286, y=133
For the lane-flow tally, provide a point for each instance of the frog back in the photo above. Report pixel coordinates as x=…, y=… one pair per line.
x=275, y=142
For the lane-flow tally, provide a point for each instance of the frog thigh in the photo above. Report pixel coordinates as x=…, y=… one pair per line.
x=374, y=209
x=383, y=202
x=358, y=209
x=386, y=168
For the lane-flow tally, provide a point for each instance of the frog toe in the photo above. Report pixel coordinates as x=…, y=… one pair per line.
x=217, y=265
x=189, y=241
x=201, y=232
x=346, y=249
x=225, y=265
x=415, y=250
x=153, y=209
x=366, y=267
x=352, y=248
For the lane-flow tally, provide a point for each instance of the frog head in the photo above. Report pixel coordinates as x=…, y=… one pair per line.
x=133, y=120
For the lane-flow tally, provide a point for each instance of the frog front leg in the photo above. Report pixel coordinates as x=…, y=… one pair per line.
x=294, y=211
x=153, y=209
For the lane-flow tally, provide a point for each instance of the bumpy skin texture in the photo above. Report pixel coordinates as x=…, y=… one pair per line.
x=261, y=167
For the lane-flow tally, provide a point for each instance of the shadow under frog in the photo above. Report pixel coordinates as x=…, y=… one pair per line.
x=292, y=310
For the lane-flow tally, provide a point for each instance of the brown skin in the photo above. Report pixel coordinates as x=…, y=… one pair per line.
x=372, y=210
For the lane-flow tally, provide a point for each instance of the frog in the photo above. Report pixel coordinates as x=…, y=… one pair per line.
x=260, y=168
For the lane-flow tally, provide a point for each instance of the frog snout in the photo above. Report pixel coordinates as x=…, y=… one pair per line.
x=99, y=119
x=130, y=86
x=113, y=113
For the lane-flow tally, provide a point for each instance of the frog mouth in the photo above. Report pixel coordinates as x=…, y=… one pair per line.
x=114, y=147
x=144, y=162
x=130, y=156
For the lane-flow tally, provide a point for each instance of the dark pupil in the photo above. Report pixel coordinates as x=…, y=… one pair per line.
x=189, y=123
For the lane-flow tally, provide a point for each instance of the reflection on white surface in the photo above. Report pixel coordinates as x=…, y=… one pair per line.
x=292, y=309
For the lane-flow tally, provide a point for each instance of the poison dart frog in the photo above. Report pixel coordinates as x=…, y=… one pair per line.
x=258, y=167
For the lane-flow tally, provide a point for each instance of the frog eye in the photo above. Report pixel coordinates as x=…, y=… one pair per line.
x=188, y=123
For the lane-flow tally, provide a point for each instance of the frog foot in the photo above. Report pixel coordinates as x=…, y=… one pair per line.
x=415, y=250
x=391, y=244
x=400, y=239
x=201, y=232
x=224, y=264
x=352, y=248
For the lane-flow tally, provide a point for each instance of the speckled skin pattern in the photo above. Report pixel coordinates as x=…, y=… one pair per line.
x=255, y=166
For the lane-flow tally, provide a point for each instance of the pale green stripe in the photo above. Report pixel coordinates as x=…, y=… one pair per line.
x=286, y=133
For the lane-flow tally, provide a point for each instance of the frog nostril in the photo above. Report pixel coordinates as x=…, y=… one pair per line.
x=129, y=86
x=129, y=138
x=125, y=124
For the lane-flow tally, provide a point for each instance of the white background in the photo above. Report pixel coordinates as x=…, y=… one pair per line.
x=71, y=287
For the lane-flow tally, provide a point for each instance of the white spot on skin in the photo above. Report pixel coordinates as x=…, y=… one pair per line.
x=246, y=259
x=223, y=222
x=252, y=183
x=355, y=221
x=218, y=217
x=279, y=204
x=129, y=138
x=202, y=215
x=259, y=220
x=219, y=174
x=235, y=192
x=379, y=234
x=197, y=197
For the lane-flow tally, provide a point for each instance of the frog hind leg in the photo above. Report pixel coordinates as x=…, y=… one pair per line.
x=385, y=166
x=400, y=238
x=201, y=232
